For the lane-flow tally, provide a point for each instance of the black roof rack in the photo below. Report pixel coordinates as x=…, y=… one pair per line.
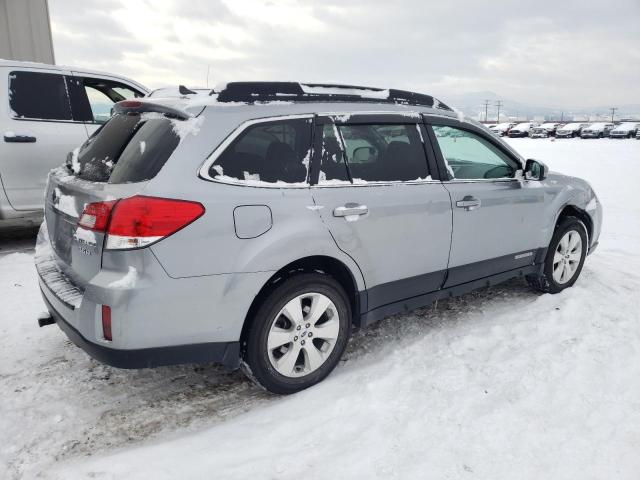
x=320, y=92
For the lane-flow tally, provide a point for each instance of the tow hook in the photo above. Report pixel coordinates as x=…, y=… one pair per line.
x=45, y=319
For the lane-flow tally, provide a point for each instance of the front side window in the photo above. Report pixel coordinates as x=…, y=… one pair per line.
x=39, y=96
x=469, y=156
x=102, y=94
x=100, y=104
x=372, y=153
x=271, y=152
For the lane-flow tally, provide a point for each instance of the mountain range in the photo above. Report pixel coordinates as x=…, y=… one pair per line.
x=472, y=105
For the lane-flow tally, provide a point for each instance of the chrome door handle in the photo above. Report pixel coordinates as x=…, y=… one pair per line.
x=350, y=209
x=468, y=203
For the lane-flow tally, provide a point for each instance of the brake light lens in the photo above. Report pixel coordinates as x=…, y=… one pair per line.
x=130, y=103
x=139, y=221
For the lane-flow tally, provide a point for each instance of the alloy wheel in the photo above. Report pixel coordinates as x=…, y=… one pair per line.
x=566, y=259
x=303, y=335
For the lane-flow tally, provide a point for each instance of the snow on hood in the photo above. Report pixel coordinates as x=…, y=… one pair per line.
x=571, y=126
x=596, y=126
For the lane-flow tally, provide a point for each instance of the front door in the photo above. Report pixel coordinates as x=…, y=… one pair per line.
x=374, y=193
x=497, y=215
x=38, y=134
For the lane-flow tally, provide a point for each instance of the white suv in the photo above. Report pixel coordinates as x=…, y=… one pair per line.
x=48, y=111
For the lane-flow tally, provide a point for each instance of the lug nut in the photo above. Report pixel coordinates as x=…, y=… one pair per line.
x=295, y=339
x=310, y=335
x=307, y=325
x=298, y=327
x=302, y=342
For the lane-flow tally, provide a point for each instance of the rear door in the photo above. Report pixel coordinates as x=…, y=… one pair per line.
x=39, y=133
x=497, y=215
x=373, y=190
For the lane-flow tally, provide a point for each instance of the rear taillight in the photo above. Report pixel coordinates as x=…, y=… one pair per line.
x=96, y=216
x=106, y=323
x=139, y=221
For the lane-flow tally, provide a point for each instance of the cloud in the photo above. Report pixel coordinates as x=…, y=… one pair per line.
x=557, y=54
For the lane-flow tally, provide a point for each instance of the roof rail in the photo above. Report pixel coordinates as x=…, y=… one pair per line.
x=251, y=92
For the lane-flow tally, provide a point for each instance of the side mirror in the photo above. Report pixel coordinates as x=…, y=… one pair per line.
x=535, y=170
x=363, y=154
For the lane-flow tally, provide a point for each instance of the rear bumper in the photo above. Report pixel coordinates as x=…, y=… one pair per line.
x=225, y=353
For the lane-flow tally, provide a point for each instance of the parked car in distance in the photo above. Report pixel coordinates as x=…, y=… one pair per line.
x=571, y=130
x=50, y=111
x=625, y=130
x=257, y=230
x=521, y=130
x=538, y=132
x=638, y=134
x=502, y=129
x=597, y=130
x=551, y=128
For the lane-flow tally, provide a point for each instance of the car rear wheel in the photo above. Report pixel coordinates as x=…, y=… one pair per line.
x=565, y=257
x=298, y=334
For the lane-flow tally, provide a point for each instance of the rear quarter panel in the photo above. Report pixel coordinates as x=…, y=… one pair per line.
x=210, y=245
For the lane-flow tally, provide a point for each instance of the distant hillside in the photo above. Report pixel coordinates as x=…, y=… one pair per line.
x=472, y=104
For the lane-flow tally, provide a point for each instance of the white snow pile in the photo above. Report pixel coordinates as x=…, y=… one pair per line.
x=190, y=126
x=66, y=203
x=127, y=281
x=501, y=384
x=356, y=92
x=75, y=164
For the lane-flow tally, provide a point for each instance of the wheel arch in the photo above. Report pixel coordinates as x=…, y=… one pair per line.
x=574, y=211
x=337, y=269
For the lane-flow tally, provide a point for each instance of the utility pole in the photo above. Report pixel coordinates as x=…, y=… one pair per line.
x=499, y=104
x=613, y=112
x=486, y=109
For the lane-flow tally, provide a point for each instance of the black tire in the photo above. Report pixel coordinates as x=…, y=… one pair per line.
x=256, y=361
x=545, y=282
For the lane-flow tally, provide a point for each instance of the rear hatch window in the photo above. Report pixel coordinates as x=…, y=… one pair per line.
x=128, y=148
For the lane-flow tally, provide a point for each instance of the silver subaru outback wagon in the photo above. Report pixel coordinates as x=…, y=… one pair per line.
x=258, y=226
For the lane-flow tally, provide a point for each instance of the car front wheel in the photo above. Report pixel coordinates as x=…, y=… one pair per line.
x=298, y=334
x=565, y=257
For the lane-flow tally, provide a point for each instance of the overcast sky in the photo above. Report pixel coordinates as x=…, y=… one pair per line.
x=548, y=53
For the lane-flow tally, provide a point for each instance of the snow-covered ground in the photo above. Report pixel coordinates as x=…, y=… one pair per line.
x=503, y=383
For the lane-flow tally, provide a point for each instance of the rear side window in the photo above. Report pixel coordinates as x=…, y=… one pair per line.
x=381, y=153
x=128, y=148
x=39, y=96
x=268, y=152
